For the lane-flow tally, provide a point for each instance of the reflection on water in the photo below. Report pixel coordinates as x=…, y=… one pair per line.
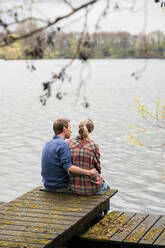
x=25, y=125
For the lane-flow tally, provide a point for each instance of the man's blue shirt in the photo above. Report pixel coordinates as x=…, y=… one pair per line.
x=56, y=159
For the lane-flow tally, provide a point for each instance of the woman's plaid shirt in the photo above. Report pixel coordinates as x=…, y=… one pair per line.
x=86, y=155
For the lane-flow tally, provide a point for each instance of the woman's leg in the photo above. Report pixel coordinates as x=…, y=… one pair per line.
x=104, y=187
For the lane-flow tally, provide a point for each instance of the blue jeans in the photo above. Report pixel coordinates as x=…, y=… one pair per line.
x=104, y=187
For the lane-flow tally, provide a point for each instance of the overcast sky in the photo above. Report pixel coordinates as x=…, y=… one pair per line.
x=124, y=20
x=119, y=20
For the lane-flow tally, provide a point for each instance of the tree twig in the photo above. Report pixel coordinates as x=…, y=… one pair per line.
x=38, y=30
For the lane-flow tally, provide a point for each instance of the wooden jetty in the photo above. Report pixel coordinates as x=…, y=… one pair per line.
x=125, y=229
x=46, y=219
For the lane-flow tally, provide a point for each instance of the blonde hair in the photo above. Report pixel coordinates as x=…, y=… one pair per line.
x=85, y=128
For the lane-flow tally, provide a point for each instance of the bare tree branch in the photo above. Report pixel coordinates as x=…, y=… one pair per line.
x=12, y=39
x=69, y=4
x=103, y=14
x=27, y=19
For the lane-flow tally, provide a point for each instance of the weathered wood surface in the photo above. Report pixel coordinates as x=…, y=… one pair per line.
x=45, y=219
x=126, y=229
x=2, y=203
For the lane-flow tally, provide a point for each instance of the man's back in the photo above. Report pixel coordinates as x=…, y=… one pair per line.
x=56, y=159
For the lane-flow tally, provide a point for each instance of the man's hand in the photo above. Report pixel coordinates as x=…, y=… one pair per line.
x=93, y=173
x=76, y=170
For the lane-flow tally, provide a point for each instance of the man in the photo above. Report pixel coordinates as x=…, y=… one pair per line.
x=56, y=159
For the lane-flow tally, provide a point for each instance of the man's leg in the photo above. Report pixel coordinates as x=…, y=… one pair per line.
x=61, y=190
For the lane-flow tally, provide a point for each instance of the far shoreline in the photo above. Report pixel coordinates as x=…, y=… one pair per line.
x=139, y=58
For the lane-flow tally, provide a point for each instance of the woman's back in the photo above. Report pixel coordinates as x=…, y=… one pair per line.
x=85, y=154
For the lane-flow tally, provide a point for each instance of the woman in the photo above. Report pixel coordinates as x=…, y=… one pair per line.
x=85, y=154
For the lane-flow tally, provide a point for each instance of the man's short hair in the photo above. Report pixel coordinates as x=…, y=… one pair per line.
x=59, y=124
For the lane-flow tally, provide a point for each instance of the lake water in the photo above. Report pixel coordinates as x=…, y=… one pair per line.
x=25, y=125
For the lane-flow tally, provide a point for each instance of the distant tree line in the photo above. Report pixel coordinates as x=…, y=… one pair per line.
x=97, y=45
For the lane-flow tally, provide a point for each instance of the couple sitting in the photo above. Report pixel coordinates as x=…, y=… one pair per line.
x=73, y=166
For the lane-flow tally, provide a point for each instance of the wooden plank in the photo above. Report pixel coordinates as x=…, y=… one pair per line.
x=61, y=196
x=27, y=236
x=27, y=240
x=109, y=225
x=47, y=207
x=125, y=230
x=40, y=215
x=154, y=232
x=57, y=204
x=2, y=205
x=142, y=229
x=52, y=220
x=64, y=196
x=70, y=203
x=37, y=190
x=49, y=212
x=31, y=229
x=58, y=226
x=11, y=244
x=161, y=239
